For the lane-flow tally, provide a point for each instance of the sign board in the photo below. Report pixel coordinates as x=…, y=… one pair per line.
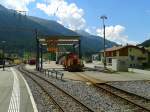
x=52, y=42
x=52, y=49
x=52, y=45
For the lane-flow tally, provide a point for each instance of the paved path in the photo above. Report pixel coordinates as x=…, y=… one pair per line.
x=15, y=94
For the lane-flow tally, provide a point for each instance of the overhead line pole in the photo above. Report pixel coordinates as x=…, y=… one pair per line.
x=37, y=50
x=3, y=54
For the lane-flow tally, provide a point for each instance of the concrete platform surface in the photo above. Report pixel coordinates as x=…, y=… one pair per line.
x=15, y=95
x=120, y=76
x=133, y=74
x=51, y=64
x=46, y=65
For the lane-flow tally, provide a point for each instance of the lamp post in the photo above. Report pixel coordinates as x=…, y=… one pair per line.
x=103, y=19
x=3, y=54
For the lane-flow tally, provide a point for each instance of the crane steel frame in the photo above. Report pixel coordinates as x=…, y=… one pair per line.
x=56, y=41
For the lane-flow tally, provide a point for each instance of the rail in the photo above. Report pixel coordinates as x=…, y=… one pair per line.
x=43, y=88
x=68, y=94
x=127, y=96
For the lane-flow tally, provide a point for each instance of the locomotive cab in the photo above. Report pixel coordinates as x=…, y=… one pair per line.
x=72, y=63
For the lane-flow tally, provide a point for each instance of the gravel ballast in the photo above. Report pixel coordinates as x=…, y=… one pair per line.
x=98, y=100
x=141, y=87
x=42, y=101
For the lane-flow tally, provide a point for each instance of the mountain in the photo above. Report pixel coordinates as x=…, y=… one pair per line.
x=146, y=43
x=18, y=32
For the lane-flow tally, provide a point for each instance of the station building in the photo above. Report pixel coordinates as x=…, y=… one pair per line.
x=135, y=56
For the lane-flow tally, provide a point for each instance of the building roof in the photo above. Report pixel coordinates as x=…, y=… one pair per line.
x=116, y=48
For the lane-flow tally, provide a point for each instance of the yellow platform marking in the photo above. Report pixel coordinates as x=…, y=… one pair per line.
x=89, y=78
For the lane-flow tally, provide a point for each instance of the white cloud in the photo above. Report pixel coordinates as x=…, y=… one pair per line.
x=16, y=4
x=72, y=17
x=69, y=15
x=116, y=34
x=91, y=30
x=88, y=30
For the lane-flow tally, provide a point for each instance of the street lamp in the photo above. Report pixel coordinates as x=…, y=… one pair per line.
x=3, y=54
x=103, y=19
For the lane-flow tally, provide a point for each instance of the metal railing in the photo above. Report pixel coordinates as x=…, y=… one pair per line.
x=51, y=72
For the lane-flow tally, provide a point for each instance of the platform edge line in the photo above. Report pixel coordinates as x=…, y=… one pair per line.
x=15, y=98
x=30, y=94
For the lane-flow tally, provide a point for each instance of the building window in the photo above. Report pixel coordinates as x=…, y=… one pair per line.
x=130, y=65
x=143, y=51
x=109, y=53
x=110, y=60
x=132, y=58
x=141, y=58
x=114, y=53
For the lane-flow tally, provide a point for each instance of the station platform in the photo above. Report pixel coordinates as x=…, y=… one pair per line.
x=100, y=77
x=15, y=95
x=118, y=76
x=47, y=65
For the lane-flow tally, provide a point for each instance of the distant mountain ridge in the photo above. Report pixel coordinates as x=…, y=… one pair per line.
x=146, y=43
x=18, y=39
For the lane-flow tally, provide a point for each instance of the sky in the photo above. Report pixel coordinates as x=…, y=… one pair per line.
x=128, y=20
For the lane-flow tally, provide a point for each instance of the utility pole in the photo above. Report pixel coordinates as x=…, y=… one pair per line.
x=37, y=50
x=103, y=19
x=3, y=54
x=74, y=49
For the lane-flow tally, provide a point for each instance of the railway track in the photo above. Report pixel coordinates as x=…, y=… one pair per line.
x=57, y=106
x=63, y=100
x=139, y=101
